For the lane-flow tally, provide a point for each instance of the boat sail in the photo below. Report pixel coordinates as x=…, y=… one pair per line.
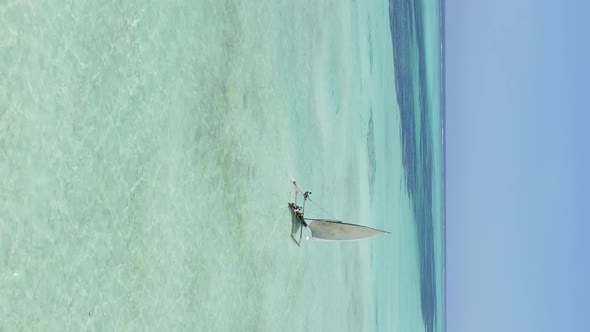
x=327, y=229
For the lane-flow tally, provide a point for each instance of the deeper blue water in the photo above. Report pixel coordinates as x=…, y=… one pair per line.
x=419, y=95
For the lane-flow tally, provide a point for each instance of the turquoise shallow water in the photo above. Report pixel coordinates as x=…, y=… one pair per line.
x=146, y=153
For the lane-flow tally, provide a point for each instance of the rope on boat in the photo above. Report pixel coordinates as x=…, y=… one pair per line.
x=319, y=207
x=299, y=191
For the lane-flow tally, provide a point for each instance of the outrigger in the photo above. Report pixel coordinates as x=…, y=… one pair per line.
x=325, y=229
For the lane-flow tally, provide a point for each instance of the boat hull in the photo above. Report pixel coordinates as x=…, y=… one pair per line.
x=297, y=216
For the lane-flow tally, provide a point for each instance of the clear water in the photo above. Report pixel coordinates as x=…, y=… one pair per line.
x=146, y=153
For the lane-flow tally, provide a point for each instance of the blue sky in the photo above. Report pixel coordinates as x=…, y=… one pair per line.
x=518, y=155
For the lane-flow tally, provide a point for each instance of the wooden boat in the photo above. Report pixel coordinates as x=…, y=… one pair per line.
x=326, y=229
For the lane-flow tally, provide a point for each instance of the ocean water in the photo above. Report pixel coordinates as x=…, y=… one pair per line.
x=417, y=36
x=146, y=154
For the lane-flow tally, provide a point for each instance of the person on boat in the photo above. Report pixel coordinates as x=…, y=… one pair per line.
x=299, y=216
x=297, y=189
x=298, y=210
